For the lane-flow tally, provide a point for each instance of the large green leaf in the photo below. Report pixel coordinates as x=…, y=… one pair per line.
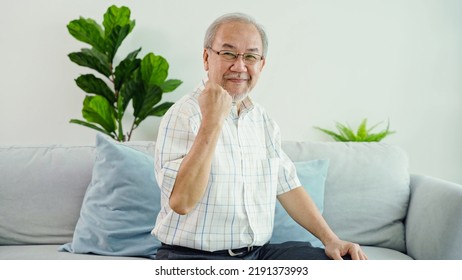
x=91, y=84
x=154, y=70
x=96, y=109
x=144, y=101
x=126, y=68
x=170, y=85
x=90, y=125
x=115, y=39
x=130, y=89
x=117, y=25
x=116, y=16
x=88, y=31
x=93, y=59
x=160, y=110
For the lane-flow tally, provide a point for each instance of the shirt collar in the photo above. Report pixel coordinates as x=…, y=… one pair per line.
x=247, y=105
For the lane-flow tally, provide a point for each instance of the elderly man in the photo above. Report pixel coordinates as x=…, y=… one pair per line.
x=221, y=168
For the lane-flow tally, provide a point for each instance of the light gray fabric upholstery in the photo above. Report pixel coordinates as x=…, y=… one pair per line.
x=48, y=252
x=366, y=200
x=41, y=191
x=379, y=253
x=367, y=190
x=434, y=222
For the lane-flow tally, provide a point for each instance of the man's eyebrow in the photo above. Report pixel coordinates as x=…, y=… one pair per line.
x=231, y=47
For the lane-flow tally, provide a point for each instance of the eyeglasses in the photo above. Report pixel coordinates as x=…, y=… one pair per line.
x=230, y=56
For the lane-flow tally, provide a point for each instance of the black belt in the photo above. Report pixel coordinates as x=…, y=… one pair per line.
x=237, y=252
x=230, y=252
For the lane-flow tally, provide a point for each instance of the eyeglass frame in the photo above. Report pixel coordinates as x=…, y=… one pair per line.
x=219, y=53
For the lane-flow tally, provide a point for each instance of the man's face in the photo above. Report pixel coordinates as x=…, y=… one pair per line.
x=236, y=77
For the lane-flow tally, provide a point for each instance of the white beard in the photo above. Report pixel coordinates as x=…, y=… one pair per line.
x=238, y=98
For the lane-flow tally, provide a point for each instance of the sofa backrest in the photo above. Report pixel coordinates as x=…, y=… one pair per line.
x=41, y=192
x=42, y=189
x=366, y=192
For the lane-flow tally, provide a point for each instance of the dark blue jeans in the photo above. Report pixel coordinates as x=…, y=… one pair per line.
x=292, y=250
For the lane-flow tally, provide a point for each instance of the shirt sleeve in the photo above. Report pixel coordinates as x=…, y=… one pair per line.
x=287, y=174
x=177, y=132
x=288, y=179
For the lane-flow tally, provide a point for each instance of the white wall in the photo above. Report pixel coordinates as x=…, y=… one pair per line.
x=328, y=61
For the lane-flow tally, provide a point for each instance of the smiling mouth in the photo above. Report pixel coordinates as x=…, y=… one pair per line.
x=237, y=81
x=236, y=78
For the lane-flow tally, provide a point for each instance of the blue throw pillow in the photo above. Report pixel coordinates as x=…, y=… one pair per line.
x=120, y=206
x=312, y=175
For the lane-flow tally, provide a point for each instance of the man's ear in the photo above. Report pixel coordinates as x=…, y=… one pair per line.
x=205, y=57
x=262, y=64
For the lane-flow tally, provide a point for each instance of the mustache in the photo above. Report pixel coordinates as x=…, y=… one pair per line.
x=237, y=76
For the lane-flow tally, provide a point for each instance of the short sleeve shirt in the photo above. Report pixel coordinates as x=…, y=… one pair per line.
x=249, y=169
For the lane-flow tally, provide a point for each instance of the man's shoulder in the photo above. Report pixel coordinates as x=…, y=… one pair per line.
x=258, y=107
x=260, y=110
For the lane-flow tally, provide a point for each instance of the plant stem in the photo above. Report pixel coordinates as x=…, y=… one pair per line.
x=131, y=130
x=119, y=117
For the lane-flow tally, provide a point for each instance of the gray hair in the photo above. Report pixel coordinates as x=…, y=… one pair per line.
x=234, y=17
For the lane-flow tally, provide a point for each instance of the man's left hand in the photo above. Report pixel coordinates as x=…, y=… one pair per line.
x=339, y=248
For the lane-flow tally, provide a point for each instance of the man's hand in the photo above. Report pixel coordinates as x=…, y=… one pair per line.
x=339, y=248
x=215, y=103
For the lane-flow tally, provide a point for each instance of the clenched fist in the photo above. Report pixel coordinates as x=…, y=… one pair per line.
x=215, y=103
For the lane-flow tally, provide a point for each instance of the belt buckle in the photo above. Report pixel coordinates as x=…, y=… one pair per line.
x=232, y=254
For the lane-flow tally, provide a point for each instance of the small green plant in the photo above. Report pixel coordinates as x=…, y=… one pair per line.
x=363, y=134
x=139, y=81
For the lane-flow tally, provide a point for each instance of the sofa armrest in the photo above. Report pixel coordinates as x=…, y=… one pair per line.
x=434, y=219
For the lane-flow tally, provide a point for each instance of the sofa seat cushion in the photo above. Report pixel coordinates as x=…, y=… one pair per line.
x=49, y=252
x=379, y=253
x=367, y=189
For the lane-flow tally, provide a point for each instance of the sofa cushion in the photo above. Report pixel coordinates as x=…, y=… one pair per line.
x=51, y=252
x=121, y=204
x=312, y=175
x=41, y=191
x=367, y=189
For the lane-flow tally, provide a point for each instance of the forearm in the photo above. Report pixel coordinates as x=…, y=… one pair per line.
x=194, y=171
x=303, y=210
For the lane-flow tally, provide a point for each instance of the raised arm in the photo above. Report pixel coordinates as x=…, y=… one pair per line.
x=193, y=175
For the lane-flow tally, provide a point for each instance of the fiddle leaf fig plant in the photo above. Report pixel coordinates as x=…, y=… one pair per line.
x=363, y=134
x=141, y=82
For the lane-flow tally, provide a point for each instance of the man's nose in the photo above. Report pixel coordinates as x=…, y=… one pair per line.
x=239, y=65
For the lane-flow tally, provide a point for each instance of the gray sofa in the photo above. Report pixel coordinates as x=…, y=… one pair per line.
x=367, y=196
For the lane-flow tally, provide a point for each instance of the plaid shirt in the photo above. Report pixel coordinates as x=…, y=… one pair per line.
x=248, y=170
